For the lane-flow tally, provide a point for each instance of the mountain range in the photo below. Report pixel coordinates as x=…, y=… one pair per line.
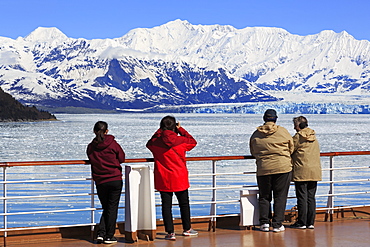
x=180, y=64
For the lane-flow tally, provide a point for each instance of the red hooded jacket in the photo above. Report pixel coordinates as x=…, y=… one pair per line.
x=106, y=158
x=169, y=149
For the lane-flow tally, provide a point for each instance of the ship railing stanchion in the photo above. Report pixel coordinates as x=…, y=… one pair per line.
x=5, y=210
x=330, y=203
x=212, y=221
x=92, y=204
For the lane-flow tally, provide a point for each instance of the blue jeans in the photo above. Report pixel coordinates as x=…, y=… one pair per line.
x=273, y=186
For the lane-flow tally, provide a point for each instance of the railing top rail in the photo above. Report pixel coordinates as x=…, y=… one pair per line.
x=44, y=163
x=145, y=160
x=345, y=153
x=137, y=160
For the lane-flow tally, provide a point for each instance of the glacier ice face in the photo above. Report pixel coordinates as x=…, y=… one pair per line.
x=260, y=108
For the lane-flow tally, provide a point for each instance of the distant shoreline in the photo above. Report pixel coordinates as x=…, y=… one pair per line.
x=237, y=108
x=27, y=120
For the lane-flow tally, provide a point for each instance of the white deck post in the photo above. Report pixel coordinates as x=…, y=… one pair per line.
x=140, y=214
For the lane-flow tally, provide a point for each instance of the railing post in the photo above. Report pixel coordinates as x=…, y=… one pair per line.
x=5, y=219
x=212, y=221
x=92, y=205
x=330, y=203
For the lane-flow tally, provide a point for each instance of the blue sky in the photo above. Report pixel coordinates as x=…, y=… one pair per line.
x=91, y=19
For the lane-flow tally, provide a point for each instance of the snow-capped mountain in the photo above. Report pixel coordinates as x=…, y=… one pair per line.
x=183, y=64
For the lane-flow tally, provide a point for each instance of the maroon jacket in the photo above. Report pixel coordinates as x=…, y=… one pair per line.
x=106, y=159
x=168, y=148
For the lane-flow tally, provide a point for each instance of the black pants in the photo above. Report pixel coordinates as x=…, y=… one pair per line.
x=306, y=202
x=109, y=195
x=183, y=199
x=273, y=186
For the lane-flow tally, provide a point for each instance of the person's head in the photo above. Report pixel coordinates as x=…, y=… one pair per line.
x=100, y=129
x=168, y=123
x=270, y=116
x=300, y=123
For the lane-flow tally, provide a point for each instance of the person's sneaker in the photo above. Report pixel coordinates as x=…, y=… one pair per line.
x=279, y=229
x=190, y=232
x=99, y=239
x=170, y=236
x=265, y=227
x=298, y=226
x=111, y=240
x=310, y=227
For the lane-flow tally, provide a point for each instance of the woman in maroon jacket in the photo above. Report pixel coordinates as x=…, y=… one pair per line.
x=106, y=156
x=169, y=145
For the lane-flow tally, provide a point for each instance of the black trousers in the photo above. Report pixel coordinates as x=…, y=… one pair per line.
x=183, y=199
x=109, y=195
x=305, y=192
x=275, y=186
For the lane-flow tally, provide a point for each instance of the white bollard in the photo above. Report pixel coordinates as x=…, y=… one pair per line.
x=249, y=212
x=140, y=215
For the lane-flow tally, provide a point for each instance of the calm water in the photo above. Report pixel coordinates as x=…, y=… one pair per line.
x=217, y=134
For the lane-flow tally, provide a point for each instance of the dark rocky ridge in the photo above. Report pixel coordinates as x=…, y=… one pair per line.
x=11, y=110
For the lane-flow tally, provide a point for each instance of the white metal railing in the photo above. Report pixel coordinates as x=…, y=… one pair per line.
x=214, y=187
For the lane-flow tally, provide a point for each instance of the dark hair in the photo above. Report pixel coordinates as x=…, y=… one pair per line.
x=301, y=121
x=100, y=128
x=168, y=123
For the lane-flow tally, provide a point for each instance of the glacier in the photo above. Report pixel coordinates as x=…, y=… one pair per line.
x=260, y=108
x=193, y=67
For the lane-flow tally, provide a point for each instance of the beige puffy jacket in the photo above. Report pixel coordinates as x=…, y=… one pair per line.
x=306, y=156
x=272, y=146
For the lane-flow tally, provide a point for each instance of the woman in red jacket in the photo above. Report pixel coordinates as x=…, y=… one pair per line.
x=106, y=156
x=169, y=145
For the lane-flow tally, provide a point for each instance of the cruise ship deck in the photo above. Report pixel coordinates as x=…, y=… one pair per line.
x=337, y=224
x=347, y=231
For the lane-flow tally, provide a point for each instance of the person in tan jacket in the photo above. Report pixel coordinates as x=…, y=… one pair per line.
x=272, y=146
x=306, y=172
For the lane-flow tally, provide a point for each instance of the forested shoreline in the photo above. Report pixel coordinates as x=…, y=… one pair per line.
x=12, y=110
